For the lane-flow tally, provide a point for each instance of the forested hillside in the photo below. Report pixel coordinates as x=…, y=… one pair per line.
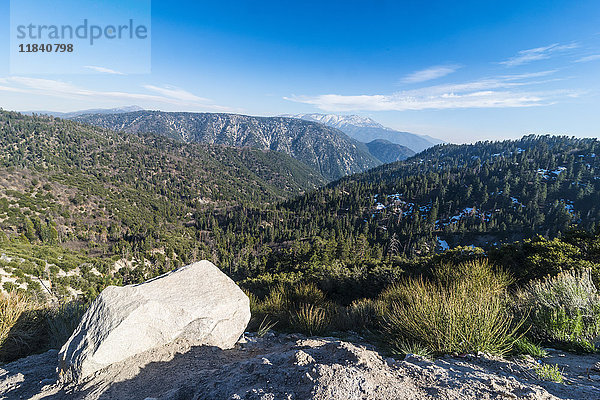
x=323, y=148
x=82, y=207
x=65, y=185
x=471, y=194
x=478, y=195
x=389, y=152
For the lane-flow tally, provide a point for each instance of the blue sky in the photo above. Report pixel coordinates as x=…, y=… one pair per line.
x=461, y=70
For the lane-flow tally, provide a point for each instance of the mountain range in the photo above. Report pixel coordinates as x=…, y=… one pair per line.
x=320, y=143
x=114, y=197
x=116, y=110
x=84, y=180
x=328, y=150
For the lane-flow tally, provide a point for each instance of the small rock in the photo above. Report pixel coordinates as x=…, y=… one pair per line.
x=303, y=358
x=415, y=358
x=265, y=361
x=47, y=381
x=295, y=336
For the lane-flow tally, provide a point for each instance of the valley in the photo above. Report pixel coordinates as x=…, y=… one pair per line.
x=85, y=207
x=108, y=199
x=320, y=201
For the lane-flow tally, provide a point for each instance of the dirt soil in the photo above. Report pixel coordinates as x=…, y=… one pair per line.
x=293, y=367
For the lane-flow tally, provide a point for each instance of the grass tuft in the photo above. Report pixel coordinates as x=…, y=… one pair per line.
x=524, y=346
x=22, y=327
x=62, y=321
x=28, y=326
x=403, y=348
x=549, y=372
x=265, y=327
x=310, y=319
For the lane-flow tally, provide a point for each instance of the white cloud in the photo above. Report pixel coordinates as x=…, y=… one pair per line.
x=103, y=70
x=175, y=93
x=593, y=57
x=54, y=88
x=539, y=53
x=500, y=92
x=430, y=73
x=528, y=75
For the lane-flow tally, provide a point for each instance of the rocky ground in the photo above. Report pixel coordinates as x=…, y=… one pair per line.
x=295, y=367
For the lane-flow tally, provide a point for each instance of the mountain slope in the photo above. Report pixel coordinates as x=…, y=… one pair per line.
x=389, y=152
x=365, y=130
x=91, y=184
x=483, y=195
x=326, y=149
x=473, y=194
x=142, y=205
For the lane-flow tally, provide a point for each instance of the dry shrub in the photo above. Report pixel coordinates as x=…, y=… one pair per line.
x=303, y=308
x=22, y=326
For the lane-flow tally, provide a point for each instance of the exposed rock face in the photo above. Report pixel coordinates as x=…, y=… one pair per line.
x=197, y=303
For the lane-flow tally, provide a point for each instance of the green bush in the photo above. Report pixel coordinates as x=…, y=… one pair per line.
x=563, y=311
x=28, y=326
x=463, y=310
x=364, y=314
x=549, y=372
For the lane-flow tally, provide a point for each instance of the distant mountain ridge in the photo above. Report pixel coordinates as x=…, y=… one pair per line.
x=350, y=157
x=116, y=110
x=388, y=152
x=324, y=148
x=341, y=121
x=365, y=130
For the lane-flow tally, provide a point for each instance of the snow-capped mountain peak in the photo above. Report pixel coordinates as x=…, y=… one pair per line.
x=365, y=130
x=340, y=121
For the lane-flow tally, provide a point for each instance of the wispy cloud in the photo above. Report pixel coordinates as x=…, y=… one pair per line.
x=592, y=57
x=54, y=88
x=528, y=75
x=539, y=53
x=103, y=70
x=176, y=93
x=500, y=92
x=430, y=73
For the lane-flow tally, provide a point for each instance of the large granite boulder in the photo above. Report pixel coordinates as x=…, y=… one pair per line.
x=197, y=303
